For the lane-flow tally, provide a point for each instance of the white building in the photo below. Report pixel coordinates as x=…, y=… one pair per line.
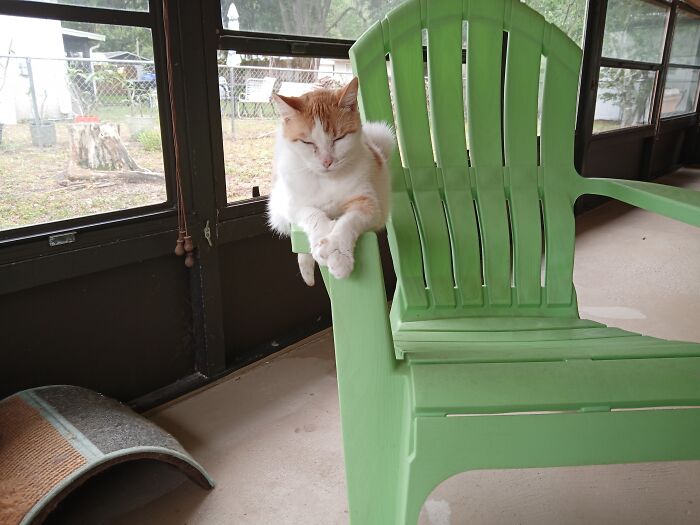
x=22, y=37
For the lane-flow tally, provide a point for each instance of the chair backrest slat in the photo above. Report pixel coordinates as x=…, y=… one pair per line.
x=484, y=54
x=403, y=26
x=525, y=30
x=469, y=211
x=369, y=63
x=444, y=21
x=557, y=143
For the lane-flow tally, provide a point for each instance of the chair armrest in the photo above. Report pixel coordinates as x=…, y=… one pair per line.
x=677, y=203
x=358, y=302
x=300, y=242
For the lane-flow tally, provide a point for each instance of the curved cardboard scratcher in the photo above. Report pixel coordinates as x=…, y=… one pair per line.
x=54, y=438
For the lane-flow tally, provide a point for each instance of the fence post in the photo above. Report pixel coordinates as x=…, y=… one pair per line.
x=233, y=101
x=35, y=106
x=91, y=65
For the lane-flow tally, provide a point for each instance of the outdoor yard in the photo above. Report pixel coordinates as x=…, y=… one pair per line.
x=43, y=184
x=248, y=157
x=46, y=184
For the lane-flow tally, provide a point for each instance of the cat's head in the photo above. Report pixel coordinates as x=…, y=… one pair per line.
x=323, y=126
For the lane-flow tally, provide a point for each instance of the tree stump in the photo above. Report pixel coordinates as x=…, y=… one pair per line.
x=98, y=146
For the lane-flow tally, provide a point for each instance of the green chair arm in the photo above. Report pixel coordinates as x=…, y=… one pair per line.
x=677, y=203
x=359, y=307
x=300, y=242
x=358, y=302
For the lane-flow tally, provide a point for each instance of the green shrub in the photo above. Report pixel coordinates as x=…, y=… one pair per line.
x=150, y=140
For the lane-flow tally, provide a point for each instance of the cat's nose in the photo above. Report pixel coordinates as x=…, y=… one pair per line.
x=327, y=161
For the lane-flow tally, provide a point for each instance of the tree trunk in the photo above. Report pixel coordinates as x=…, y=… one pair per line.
x=98, y=146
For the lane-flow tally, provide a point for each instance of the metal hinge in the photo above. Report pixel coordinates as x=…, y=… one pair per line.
x=207, y=234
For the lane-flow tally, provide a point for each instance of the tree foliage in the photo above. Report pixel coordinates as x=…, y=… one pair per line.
x=329, y=18
x=567, y=15
x=136, y=40
x=634, y=30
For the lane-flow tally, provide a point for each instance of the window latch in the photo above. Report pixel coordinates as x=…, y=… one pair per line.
x=61, y=238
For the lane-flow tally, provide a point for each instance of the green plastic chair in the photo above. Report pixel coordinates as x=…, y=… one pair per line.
x=483, y=361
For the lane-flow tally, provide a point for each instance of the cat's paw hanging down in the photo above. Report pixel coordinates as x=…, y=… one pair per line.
x=330, y=176
x=306, y=267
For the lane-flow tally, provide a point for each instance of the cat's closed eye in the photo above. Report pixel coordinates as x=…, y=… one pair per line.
x=339, y=138
x=309, y=143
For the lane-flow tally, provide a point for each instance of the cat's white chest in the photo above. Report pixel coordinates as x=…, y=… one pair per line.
x=326, y=193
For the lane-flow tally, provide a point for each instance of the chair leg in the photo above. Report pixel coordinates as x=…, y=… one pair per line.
x=375, y=441
x=421, y=479
x=373, y=496
x=382, y=491
x=372, y=389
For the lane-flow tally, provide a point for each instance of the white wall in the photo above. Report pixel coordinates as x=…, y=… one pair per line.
x=20, y=36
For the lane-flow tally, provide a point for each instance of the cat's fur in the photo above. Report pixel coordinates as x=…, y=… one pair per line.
x=329, y=176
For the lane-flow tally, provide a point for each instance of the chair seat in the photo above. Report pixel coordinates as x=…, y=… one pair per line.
x=522, y=366
x=519, y=339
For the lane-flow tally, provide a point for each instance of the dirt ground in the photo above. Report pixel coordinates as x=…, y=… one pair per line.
x=248, y=156
x=42, y=185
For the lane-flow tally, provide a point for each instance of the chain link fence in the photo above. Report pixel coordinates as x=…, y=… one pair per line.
x=246, y=91
x=54, y=89
x=97, y=85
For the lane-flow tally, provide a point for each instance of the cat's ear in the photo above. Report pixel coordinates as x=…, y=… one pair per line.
x=288, y=106
x=348, y=95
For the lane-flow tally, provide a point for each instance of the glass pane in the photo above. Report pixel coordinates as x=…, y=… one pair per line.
x=343, y=19
x=248, y=117
x=569, y=16
x=686, y=39
x=624, y=98
x=635, y=30
x=330, y=18
x=681, y=91
x=79, y=126
x=126, y=5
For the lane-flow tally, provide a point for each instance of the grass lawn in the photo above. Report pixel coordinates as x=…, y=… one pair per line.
x=248, y=156
x=38, y=184
x=42, y=185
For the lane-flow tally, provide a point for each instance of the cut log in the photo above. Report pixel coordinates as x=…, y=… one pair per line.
x=98, y=146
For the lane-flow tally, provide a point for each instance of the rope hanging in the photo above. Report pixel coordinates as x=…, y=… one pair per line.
x=184, y=244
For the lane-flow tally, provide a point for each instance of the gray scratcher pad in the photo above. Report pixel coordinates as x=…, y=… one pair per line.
x=54, y=438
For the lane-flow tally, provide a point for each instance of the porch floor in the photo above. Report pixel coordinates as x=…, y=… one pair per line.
x=270, y=434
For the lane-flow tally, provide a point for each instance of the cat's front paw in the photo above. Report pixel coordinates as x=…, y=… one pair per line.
x=320, y=251
x=336, y=253
x=340, y=264
x=319, y=239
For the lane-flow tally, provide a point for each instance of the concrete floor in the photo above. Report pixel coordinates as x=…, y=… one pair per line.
x=270, y=434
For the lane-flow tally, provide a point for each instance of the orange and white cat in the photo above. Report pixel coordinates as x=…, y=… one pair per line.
x=330, y=176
